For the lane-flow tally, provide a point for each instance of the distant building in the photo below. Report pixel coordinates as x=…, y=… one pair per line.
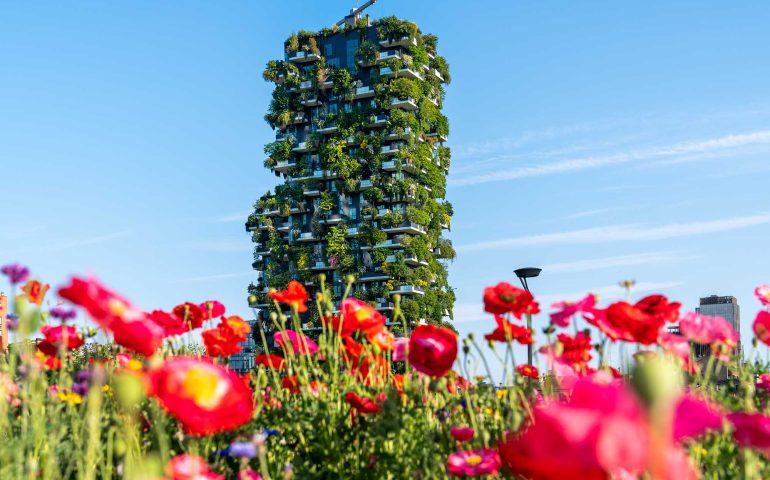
x=244, y=360
x=725, y=307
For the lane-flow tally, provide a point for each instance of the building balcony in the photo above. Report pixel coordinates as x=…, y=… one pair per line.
x=378, y=120
x=384, y=306
x=352, y=232
x=389, y=243
x=415, y=262
x=271, y=213
x=363, y=92
x=404, y=72
x=441, y=138
x=404, y=104
x=310, y=102
x=319, y=265
x=284, y=165
x=303, y=147
x=387, y=55
x=407, y=165
x=299, y=117
x=303, y=57
x=433, y=101
x=326, y=85
x=401, y=42
x=307, y=237
x=328, y=129
x=334, y=218
x=399, y=136
x=407, y=290
x=263, y=252
x=390, y=149
x=373, y=277
x=305, y=85
x=365, y=185
x=311, y=192
x=406, y=227
x=437, y=74
x=284, y=227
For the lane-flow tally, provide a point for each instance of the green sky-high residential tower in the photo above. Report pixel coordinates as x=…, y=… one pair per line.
x=360, y=148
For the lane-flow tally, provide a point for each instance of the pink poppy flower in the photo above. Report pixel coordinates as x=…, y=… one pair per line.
x=764, y=382
x=762, y=327
x=752, y=430
x=190, y=467
x=763, y=294
x=212, y=309
x=478, y=462
x=694, y=416
x=299, y=343
x=707, y=330
x=462, y=434
x=585, y=437
x=568, y=309
x=677, y=346
x=399, y=349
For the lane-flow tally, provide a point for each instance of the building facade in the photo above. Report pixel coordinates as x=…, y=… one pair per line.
x=359, y=150
x=725, y=307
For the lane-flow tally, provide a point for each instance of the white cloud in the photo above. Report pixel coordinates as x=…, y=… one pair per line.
x=595, y=161
x=474, y=312
x=616, y=261
x=629, y=232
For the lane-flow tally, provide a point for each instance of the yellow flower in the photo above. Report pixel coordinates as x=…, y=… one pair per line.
x=107, y=390
x=70, y=397
x=134, y=364
x=502, y=393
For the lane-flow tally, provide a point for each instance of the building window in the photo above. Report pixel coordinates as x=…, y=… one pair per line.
x=350, y=49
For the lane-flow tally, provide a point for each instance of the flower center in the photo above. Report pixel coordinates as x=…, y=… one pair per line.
x=203, y=387
x=116, y=307
x=508, y=297
x=473, y=460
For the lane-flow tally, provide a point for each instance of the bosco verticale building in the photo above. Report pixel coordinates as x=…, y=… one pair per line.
x=359, y=151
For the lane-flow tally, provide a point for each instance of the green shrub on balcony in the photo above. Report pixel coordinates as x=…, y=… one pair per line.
x=392, y=28
x=404, y=88
x=367, y=53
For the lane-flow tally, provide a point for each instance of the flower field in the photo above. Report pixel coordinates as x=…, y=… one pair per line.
x=158, y=401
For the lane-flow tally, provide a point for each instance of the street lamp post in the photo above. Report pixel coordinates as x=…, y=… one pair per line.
x=524, y=274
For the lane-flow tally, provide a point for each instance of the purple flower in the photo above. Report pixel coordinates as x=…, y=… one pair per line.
x=62, y=313
x=83, y=376
x=80, y=388
x=15, y=272
x=13, y=321
x=242, y=449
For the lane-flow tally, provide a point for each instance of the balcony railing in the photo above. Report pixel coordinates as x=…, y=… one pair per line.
x=404, y=104
x=390, y=149
x=406, y=227
x=401, y=42
x=302, y=147
x=407, y=290
x=404, y=72
x=365, y=185
x=306, y=237
x=303, y=57
x=378, y=120
x=363, y=92
x=305, y=85
x=387, y=55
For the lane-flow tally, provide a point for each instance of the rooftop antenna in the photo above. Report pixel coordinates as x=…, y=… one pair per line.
x=355, y=14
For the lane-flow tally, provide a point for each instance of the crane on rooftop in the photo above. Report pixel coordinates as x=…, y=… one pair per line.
x=355, y=14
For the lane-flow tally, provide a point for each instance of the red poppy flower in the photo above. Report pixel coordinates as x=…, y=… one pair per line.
x=576, y=351
x=504, y=298
x=212, y=309
x=640, y=322
x=191, y=314
x=432, y=350
x=270, y=361
x=363, y=404
x=225, y=339
x=456, y=382
x=131, y=328
x=290, y=383
x=382, y=337
x=358, y=315
x=398, y=383
x=506, y=331
x=171, y=324
x=56, y=337
x=35, y=291
x=295, y=295
x=462, y=434
x=204, y=397
x=529, y=371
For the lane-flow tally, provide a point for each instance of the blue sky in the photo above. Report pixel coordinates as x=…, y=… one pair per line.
x=599, y=140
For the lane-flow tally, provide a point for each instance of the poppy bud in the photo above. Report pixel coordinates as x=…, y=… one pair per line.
x=657, y=380
x=252, y=299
